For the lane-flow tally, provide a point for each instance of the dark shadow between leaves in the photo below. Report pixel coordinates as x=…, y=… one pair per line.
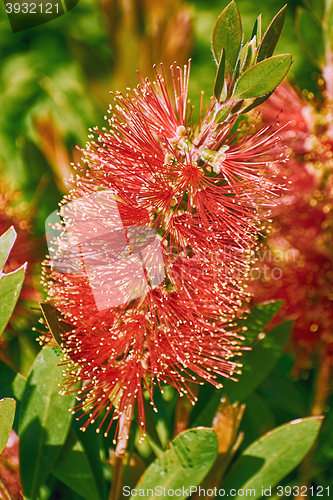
x=243, y=470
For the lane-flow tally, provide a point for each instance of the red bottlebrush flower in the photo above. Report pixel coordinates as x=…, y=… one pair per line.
x=158, y=237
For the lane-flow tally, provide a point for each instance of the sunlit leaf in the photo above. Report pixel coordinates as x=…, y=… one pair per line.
x=262, y=77
x=272, y=35
x=272, y=457
x=257, y=30
x=7, y=413
x=10, y=287
x=11, y=283
x=44, y=421
x=184, y=465
x=228, y=35
x=223, y=112
x=6, y=244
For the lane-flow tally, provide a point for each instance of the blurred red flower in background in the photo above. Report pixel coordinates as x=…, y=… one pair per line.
x=27, y=249
x=301, y=236
x=10, y=482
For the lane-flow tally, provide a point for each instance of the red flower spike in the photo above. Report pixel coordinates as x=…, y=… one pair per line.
x=196, y=189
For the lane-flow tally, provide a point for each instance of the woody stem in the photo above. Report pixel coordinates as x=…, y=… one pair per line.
x=119, y=455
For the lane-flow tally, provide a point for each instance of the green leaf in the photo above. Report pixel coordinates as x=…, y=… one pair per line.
x=272, y=35
x=228, y=35
x=6, y=244
x=10, y=287
x=44, y=421
x=281, y=392
x=55, y=322
x=243, y=56
x=262, y=77
x=12, y=386
x=12, y=383
x=73, y=469
x=258, y=418
x=220, y=82
x=7, y=413
x=237, y=107
x=92, y=443
x=223, y=112
x=257, y=102
x=256, y=321
x=257, y=30
x=247, y=58
x=184, y=465
x=311, y=36
x=272, y=457
x=257, y=364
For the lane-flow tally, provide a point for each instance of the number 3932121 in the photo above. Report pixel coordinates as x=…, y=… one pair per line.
x=32, y=8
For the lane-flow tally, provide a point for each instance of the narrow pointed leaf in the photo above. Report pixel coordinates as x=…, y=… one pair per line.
x=257, y=30
x=55, y=322
x=73, y=469
x=310, y=35
x=10, y=287
x=243, y=56
x=272, y=457
x=228, y=35
x=257, y=102
x=236, y=108
x=44, y=421
x=219, y=80
x=7, y=414
x=222, y=114
x=263, y=77
x=184, y=465
x=6, y=244
x=272, y=35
